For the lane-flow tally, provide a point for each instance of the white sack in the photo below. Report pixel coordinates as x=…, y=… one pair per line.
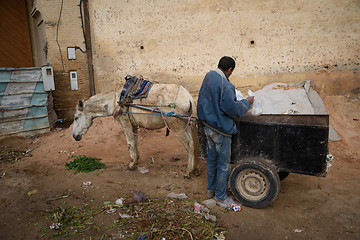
x=275, y=99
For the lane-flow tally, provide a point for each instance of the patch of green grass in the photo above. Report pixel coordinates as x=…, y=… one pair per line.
x=84, y=163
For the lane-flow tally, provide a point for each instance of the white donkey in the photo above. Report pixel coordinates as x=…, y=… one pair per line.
x=166, y=97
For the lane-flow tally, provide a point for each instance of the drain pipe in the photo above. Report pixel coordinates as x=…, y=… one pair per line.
x=88, y=46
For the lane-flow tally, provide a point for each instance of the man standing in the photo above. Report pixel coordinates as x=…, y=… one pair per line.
x=216, y=108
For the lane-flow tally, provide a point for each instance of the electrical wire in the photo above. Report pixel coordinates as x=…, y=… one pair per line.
x=57, y=32
x=57, y=35
x=80, y=49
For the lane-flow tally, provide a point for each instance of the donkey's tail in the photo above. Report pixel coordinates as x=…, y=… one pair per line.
x=190, y=107
x=191, y=110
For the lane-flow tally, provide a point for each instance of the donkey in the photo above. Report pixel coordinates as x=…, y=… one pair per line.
x=164, y=97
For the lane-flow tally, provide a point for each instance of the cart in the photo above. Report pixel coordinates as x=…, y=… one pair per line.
x=269, y=147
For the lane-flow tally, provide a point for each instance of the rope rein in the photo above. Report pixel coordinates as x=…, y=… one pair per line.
x=178, y=133
x=157, y=111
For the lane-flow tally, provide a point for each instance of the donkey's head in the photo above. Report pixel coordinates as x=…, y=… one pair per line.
x=82, y=121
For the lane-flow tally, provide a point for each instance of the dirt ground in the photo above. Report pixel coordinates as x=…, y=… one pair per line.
x=306, y=208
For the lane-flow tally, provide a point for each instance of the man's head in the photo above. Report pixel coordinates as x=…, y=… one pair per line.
x=227, y=64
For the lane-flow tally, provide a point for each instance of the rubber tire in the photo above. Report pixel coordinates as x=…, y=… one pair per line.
x=283, y=175
x=259, y=171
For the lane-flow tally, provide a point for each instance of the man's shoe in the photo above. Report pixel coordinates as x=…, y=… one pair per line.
x=210, y=194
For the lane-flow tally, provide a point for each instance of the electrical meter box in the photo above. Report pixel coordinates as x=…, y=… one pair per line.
x=71, y=53
x=48, y=78
x=73, y=80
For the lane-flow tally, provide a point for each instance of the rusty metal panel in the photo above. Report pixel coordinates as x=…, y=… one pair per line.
x=23, y=102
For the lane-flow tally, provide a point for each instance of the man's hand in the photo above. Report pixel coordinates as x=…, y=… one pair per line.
x=250, y=99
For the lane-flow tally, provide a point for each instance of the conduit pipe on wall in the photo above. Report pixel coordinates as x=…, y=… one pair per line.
x=87, y=35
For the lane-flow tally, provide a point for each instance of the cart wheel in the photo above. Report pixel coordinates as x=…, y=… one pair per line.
x=283, y=175
x=255, y=183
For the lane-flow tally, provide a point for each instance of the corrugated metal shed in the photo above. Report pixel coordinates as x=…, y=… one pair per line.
x=23, y=102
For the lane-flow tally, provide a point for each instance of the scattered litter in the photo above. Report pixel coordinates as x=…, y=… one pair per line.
x=173, y=220
x=329, y=159
x=55, y=226
x=198, y=208
x=36, y=140
x=117, y=236
x=210, y=203
x=177, y=195
x=3, y=175
x=107, y=202
x=210, y=217
x=236, y=207
x=32, y=192
x=119, y=202
x=328, y=165
x=220, y=236
x=298, y=230
x=152, y=160
x=61, y=135
x=226, y=203
x=139, y=196
x=112, y=210
x=28, y=151
x=86, y=184
x=143, y=170
x=125, y=215
x=62, y=151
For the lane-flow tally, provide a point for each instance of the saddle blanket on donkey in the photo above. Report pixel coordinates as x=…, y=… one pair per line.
x=134, y=88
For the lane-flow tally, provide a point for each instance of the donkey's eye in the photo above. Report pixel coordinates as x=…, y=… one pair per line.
x=76, y=118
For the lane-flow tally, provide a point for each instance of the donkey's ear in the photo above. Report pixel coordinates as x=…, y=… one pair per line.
x=80, y=106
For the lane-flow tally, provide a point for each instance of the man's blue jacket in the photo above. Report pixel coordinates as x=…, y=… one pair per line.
x=217, y=104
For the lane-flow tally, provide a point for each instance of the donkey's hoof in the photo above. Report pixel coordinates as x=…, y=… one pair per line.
x=187, y=176
x=132, y=167
x=197, y=172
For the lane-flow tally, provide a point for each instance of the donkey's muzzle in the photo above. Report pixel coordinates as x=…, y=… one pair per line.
x=77, y=137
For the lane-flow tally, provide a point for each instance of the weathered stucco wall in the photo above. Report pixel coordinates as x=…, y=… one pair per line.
x=179, y=41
